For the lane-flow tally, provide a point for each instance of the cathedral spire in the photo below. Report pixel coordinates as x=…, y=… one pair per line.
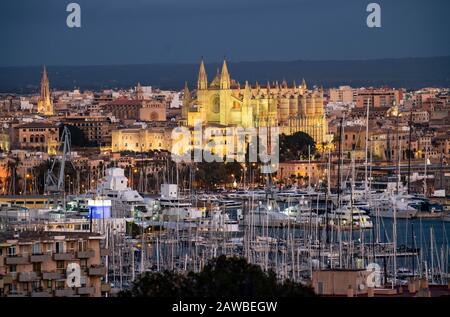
x=45, y=87
x=247, y=90
x=44, y=74
x=304, y=84
x=225, y=80
x=186, y=91
x=45, y=105
x=139, y=92
x=186, y=101
x=202, y=81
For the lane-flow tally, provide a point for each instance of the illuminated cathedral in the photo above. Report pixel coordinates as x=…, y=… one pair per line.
x=224, y=102
x=45, y=103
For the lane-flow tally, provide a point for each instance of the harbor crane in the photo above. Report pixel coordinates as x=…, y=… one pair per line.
x=55, y=184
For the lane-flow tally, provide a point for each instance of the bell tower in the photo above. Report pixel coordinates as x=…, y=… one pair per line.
x=45, y=104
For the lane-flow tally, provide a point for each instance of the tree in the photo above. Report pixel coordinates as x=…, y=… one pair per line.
x=221, y=277
x=295, y=146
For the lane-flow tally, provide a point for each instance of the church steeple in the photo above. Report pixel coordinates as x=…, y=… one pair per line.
x=186, y=92
x=186, y=101
x=45, y=87
x=268, y=89
x=139, y=92
x=225, y=80
x=45, y=105
x=202, y=81
x=247, y=91
x=304, y=84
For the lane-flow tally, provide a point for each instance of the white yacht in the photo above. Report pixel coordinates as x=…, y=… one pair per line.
x=351, y=214
x=302, y=213
x=406, y=206
x=267, y=215
x=170, y=198
x=219, y=221
x=114, y=187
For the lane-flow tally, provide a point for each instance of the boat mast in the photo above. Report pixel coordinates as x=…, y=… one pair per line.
x=339, y=190
x=394, y=234
x=351, y=208
x=425, y=172
x=397, y=141
x=366, y=187
x=309, y=167
x=409, y=152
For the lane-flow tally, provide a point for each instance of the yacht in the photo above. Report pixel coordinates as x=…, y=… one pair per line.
x=347, y=214
x=302, y=213
x=267, y=215
x=406, y=206
x=218, y=221
x=170, y=198
x=113, y=191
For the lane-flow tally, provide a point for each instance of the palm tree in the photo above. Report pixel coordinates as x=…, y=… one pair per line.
x=13, y=178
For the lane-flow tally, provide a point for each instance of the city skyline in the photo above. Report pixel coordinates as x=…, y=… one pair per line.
x=212, y=149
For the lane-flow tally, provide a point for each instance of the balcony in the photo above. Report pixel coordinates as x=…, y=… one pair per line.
x=85, y=291
x=63, y=256
x=52, y=276
x=40, y=294
x=8, y=278
x=27, y=276
x=86, y=254
x=14, y=260
x=97, y=271
x=40, y=257
x=21, y=294
x=64, y=292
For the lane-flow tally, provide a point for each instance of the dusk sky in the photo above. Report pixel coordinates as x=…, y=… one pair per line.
x=159, y=31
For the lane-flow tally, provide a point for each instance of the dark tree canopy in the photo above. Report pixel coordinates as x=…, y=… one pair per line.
x=295, y=146
x=209, y=174
x=221, y=277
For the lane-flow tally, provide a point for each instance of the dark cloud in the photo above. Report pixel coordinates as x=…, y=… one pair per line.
x=154, y=31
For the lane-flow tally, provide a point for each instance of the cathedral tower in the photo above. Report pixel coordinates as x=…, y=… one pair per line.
x=202, y=81
x=45, y=104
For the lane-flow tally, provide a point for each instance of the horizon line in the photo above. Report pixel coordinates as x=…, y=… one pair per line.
x=228, y=61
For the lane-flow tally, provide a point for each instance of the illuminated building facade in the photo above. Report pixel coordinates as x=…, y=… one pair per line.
x=45, y=103
x=224, y=102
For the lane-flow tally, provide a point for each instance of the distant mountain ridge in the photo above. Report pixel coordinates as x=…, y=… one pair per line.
x=411, y=73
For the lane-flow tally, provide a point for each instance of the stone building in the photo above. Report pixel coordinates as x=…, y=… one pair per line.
x=153, y=110
x=40, y=264
x=96, y=129
x=225, y=102
x=123, y=109
x=141, y=139
x=37, y=136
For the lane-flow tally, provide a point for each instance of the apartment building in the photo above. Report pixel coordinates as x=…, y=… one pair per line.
x=37, y=136
x=300, y=171
x=378, y=97
x=45, y=264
